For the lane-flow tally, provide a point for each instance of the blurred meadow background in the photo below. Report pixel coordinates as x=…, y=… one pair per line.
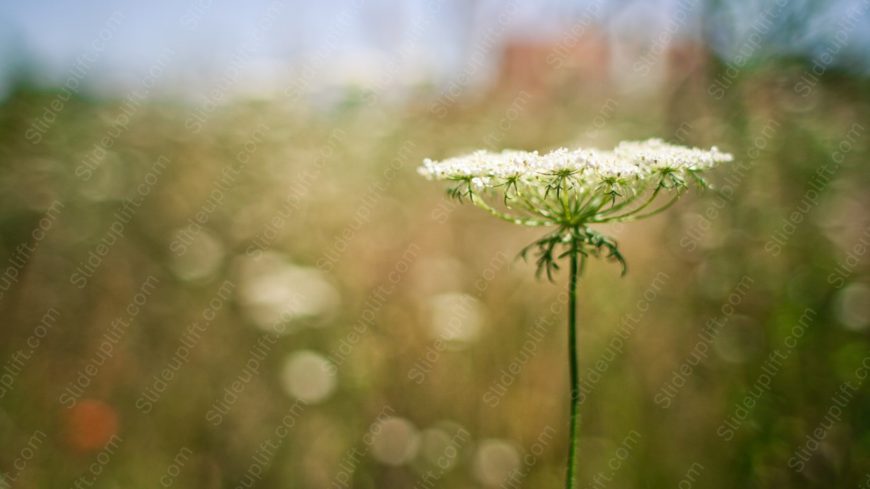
x=219, y=268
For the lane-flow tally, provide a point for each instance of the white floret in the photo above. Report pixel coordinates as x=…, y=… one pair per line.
x=570, y=186
x=635, y=159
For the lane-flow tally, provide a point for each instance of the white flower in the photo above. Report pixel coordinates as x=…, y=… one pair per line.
x=574, y=187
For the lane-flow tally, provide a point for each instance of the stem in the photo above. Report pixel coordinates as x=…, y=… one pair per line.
x=479, y=202
x=660, y=209
x=634, y=211
x=574, y=368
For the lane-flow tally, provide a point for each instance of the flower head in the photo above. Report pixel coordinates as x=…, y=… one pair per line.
x=572, y=189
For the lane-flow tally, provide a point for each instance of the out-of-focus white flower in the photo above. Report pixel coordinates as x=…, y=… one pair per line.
x=456, y=318
x=308, y=376
x=203, y=255
x=273, y=290
x=495, y=461
x=395, y=441
x=853, y=306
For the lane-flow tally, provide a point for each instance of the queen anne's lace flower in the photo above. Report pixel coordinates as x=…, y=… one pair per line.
x=572, y=188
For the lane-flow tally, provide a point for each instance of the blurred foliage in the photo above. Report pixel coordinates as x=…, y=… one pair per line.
x=343, y=224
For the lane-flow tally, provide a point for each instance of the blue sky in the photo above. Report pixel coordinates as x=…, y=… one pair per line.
x=354, y=36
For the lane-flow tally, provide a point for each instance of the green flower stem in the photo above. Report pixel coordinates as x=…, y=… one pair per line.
x=657, y=211
x=478, y=201
x=627, y=201
x=646, y=204
x=573, y=440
